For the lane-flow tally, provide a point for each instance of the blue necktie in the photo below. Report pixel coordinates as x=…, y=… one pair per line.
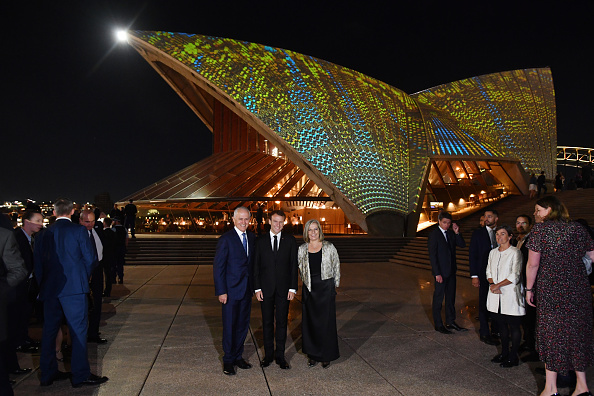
x=244, y=243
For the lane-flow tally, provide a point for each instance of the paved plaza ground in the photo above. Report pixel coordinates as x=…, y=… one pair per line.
x=164, y=331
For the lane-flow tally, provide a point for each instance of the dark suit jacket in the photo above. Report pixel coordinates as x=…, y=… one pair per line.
x=275, y=272
x=525, y=251
x=12, y=272
x=232, y=268
x=25, y=248
x=442, y=253
x=480, y=246
x=64, y=260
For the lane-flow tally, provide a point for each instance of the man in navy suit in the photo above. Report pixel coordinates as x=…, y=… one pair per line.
x=64, y=257
x=442, y=254
x=481, y=243
x=232, y=271
x=275, y=280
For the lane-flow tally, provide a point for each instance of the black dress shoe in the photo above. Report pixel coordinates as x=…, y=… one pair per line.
x=443, y=330
x=96, y=340
x=509, y=363
x=21, y=371
x=59, y=376
x=92, y=380
x=454, y=326
x=242, y=364
x=499, y=358
x=489, y=340
x=11, y=382
x=266, y=362
x=325, y=364
x=282, y=363
x=228, y=369
x=311, y=362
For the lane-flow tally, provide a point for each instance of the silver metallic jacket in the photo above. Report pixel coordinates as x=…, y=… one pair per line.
x=330, y=264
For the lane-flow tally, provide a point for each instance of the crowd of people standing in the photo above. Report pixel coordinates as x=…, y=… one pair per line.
x=59, y=274
x=533, y=279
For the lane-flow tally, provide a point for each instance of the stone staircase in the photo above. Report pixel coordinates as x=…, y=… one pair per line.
x=188, y=250
x=580, y=204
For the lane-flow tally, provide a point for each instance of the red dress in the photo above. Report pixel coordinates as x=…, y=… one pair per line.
x=563, y=296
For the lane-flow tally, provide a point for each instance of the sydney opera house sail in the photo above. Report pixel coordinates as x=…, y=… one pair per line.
x=367, y=146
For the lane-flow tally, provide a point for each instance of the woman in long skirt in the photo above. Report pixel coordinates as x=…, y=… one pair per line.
x=319, y=266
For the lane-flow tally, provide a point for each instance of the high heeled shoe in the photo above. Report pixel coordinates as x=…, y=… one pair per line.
x=585, y=394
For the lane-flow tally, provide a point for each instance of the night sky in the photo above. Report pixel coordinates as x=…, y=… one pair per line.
x=83, y=115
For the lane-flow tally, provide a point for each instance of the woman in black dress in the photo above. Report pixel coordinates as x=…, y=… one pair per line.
x=562, y=294
x=320, y=272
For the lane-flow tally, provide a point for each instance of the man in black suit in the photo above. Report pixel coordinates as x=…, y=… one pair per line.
x=64, y=258
x=233, y=278
x=12, y=272
x=442, y=254
x=275, y=281
x=109, y=254
x=523, y=227
x=481, y=243
x=130, y=211
x=32, y=223
x=87, y=219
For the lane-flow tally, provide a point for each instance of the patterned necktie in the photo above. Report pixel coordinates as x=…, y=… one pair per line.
x=493, y=240
x=275, y=245
x=244, y=243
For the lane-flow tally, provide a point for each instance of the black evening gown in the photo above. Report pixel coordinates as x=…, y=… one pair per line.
x=320, y=338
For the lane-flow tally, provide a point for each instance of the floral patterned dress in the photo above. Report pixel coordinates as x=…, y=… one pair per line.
x=563, y=296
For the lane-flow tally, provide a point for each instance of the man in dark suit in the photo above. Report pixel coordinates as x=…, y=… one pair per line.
x=481, y=243
x=87, y=219
x=442, y=254
x=275, y=281
x=12, y=272
x=523, y=227
x=232, y=272
x=130, y=211
x=64, y=258
x=21, y=309
x=109, y=254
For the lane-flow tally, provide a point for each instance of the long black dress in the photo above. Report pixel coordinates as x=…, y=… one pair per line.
x=320, y=338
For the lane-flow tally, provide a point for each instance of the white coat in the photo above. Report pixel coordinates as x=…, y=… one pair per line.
x=501, y=266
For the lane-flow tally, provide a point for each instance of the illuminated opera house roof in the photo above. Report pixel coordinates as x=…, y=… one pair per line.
x=358, y=141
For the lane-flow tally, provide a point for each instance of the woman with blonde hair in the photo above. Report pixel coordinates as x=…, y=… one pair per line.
x=557, y=284
x=319, y=266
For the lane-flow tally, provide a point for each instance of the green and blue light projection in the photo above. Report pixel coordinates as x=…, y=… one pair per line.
x=370, y=142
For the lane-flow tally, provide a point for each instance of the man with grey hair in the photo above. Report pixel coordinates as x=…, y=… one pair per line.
x=232, y=272
x=64, y=258
x=87, y=219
